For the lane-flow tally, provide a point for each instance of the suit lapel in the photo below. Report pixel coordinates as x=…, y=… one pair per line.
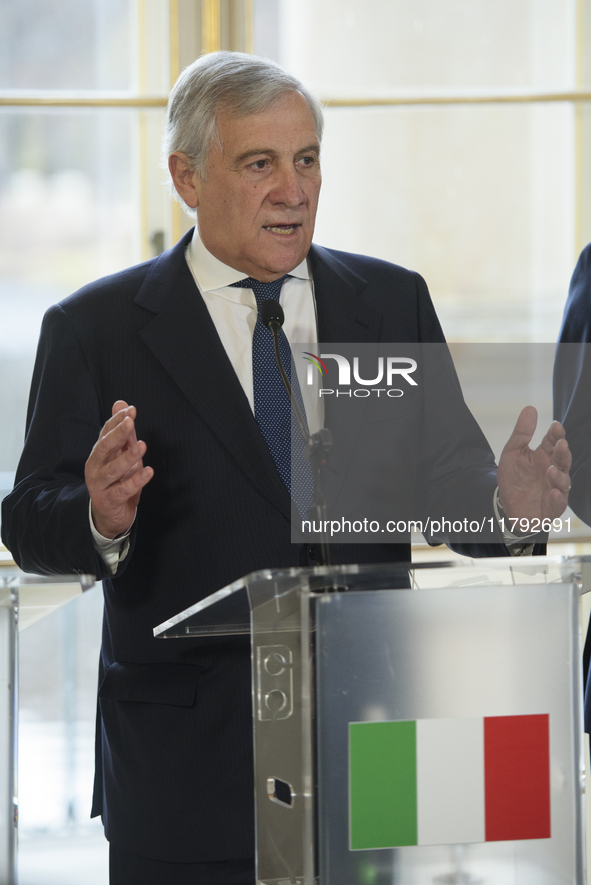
x=343, y=317
x=182, y=336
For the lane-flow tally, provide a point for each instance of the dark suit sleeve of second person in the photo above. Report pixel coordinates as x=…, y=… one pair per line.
x=572, y=405
x=45, y=519
x=572, y=384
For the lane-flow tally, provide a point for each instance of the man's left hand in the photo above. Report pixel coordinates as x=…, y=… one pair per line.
x=534, y=483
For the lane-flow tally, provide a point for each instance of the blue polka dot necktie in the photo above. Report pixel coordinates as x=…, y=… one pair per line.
x=272, y=408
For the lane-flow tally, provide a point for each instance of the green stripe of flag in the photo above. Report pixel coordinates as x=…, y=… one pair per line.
x=383, y=784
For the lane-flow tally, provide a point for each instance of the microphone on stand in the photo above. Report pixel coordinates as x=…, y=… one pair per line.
x=318, y=445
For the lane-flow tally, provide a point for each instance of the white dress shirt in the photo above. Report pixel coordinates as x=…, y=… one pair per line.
x=234, y=314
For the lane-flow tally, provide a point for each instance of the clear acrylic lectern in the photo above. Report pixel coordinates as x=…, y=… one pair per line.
x=413, y=724
x=24, y=599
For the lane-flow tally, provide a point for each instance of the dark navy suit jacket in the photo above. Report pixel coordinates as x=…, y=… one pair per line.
x=174, y=776
x=572, y=407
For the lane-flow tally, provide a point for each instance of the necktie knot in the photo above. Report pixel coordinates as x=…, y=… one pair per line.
x=262, y=291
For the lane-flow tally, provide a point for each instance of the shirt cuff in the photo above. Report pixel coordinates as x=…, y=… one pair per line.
x=112, y=550
x=517, y=545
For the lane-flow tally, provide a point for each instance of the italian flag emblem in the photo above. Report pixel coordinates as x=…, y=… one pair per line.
x=441, y=781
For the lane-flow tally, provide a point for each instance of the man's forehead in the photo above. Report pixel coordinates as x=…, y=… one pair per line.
x=248, y=134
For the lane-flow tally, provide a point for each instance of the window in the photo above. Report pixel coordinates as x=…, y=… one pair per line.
x=457, y=144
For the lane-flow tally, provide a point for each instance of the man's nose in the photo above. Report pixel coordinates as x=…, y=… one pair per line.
x=286, y=188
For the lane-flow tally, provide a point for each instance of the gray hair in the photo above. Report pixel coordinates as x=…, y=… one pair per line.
x=243, y=84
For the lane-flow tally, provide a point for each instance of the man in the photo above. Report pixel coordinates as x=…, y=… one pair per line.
x=164, y=353
x=572, y=403
x=572, y=379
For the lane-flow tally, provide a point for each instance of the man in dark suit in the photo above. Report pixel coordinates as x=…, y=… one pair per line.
x=163, y=353
x=572, y=382
x=572, y=404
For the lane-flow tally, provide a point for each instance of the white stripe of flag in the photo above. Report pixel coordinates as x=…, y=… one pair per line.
x=450, y=781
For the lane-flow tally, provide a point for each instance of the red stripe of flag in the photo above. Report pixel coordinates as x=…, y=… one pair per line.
x=517, y=777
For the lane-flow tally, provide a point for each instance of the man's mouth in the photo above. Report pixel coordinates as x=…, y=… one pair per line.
x=282, y=228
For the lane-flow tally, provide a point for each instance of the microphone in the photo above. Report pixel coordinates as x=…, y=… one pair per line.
x=271, y=312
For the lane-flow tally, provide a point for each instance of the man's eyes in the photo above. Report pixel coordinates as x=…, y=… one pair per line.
x=262, y=165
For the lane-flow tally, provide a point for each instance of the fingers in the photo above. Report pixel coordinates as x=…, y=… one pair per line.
x=534, y=483
x=113, y=507
x=561, y=456
x=119, y=406
x=117, y=433
x=554, y=434
x=558, y=472
x=110, y=462
x=557, y=503
x=558, y=481
x=115, y=439
x=118, y=436
x=114, y=472
x=524, y=429
x=118, y=417
x=120, y=491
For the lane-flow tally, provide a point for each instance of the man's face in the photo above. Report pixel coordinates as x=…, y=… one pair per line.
x=257, y=207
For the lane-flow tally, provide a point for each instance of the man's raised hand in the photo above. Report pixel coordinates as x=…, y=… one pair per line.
x=534, y=483
x=115, y=474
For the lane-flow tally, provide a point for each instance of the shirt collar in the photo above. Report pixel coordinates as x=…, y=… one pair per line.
x=210, y=273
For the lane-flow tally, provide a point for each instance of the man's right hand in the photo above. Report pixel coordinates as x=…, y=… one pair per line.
x=115, y=474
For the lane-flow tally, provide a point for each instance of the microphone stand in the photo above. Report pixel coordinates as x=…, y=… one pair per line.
x=318, y=445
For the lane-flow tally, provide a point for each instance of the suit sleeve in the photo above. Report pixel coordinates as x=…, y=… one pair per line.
x=572, y=383
x=572, y=406
x=45, y=520
x=458, y=472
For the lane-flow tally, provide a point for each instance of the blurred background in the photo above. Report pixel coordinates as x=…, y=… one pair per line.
x=458, y=143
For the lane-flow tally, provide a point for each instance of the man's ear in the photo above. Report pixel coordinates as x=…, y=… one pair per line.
x=184, y=178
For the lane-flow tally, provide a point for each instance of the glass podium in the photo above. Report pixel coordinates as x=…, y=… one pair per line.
x=24, y=599
x=413, y=724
